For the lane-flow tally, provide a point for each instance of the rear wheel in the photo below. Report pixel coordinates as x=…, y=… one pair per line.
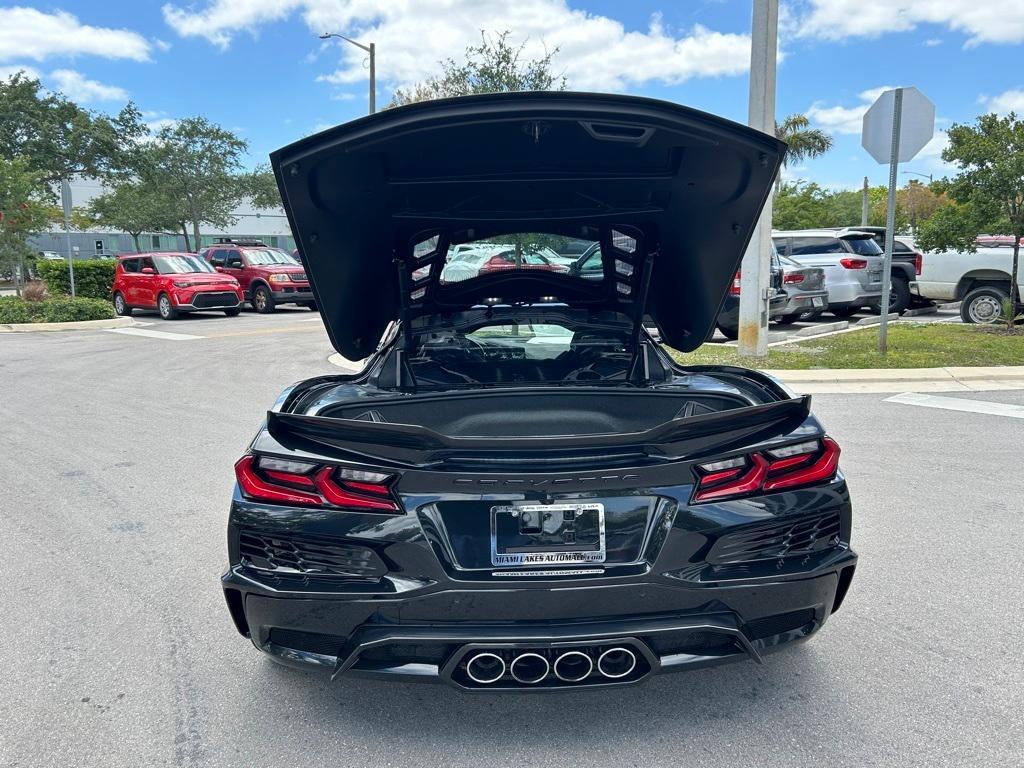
x=730, y=333
x=845, y=311
x=233, y=312
x=262, y=300
x=121, y=307
x=789, y=318
x=166, y=309
x=899, y=296
x=983, y=305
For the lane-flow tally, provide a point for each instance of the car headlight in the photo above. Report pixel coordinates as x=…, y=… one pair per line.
x=278, y=278
x=182, y=285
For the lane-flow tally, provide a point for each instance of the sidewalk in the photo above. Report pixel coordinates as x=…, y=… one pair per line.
x=866, y=380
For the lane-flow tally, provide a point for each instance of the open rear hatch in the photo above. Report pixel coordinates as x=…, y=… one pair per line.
x=375, y=205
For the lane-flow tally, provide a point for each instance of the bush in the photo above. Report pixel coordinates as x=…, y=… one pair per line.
x=34, y=291
x=60, y=310
x=94, y=278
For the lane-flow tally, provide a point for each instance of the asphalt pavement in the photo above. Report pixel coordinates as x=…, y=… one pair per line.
x=117, y=469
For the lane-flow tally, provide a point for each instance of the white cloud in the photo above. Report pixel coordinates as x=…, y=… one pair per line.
x=931, y=42
x=27, y=33
x=82, y=90
x=162, y=45
x=594, y=51
x=6, y=72
x=838, y=119
x=1007, y=101
x=982, y=21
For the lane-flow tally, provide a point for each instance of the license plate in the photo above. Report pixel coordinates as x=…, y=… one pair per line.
x=547, y=534
x=817, y=301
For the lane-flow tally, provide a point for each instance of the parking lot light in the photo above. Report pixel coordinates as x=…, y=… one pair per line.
x=371, y=49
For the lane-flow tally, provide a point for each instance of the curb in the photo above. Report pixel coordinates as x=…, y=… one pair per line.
x=823, y=328
x=932, y=310
x=77, y=325
x=853, y=380
x=892, y=316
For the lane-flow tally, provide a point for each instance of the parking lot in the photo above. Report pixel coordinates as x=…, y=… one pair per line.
x=118, y=469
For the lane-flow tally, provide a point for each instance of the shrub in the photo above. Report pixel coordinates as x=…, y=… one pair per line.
x=94, y=278
x=34, y=291
x=59, y=310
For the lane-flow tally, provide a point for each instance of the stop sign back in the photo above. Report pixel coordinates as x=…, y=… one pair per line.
x=917, y=125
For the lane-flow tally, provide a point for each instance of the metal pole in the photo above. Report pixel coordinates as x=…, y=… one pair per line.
x=864, y=204
x=755, y=270
x=65, y=195
x=890, y=221
x=373, y=78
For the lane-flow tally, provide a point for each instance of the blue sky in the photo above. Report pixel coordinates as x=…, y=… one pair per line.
x=257, y=67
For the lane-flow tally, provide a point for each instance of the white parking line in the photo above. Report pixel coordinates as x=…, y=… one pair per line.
x=956, y=404
x=155, y=334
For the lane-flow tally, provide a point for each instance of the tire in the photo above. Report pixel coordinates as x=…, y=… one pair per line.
x=165, y=308
x=262, y=300
x=845, y=312
x=121, y=308
x=730, y=333
x=899, y=296
x=232, y=312
x=983, y=305
x=787, y=319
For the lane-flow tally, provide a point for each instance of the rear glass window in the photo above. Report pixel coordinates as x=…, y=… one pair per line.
x=815, y=245
x=528, y=251
x=863, y=246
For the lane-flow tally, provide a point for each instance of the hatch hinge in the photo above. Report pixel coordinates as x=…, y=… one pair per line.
x=640, y=366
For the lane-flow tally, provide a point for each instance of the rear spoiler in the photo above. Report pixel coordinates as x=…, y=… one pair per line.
x=414, y=446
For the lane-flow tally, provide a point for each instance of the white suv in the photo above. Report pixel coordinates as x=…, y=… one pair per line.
x=851, y=259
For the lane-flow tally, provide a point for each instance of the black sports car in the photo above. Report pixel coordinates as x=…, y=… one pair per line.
x=522, y=489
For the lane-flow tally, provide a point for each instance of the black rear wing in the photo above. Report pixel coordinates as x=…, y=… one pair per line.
x=414, y=446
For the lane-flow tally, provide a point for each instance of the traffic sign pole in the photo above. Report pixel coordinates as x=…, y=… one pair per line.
x=890, y=222
x=65, y=200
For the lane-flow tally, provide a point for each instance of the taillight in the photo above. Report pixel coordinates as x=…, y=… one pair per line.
x=918, y=262
x=792, y=466
x=793, y=277
x=734, y=289
x=854, y=263
x=307, y=484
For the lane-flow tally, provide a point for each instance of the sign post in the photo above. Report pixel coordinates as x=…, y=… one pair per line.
x=65, y=201
x=896, y=127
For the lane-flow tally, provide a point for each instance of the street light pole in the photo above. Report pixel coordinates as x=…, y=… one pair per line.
x=754, y=273
x=371, y=49
x=928, y=176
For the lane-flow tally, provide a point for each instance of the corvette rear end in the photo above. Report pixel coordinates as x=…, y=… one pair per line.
x=521, y=490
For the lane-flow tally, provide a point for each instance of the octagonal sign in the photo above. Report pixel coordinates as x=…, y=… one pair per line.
x=917, y=125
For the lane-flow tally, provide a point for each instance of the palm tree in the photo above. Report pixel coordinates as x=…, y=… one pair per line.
x=803, y=141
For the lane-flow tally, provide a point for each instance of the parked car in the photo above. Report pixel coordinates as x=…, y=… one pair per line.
x=729, y=314
x=588, y=264
x=172, y=283
x=531, y=260
x=804, y=289
x=906, y=266
x=464, y=260
x=482, y=507
x=851, y=259
x=268, y=276
x=980, y=281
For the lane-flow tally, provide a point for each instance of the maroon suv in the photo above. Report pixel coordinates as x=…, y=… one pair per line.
x=268, y=276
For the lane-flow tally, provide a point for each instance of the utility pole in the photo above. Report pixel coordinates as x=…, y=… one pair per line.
x=371, y=49
x=65, y=201
x=864, y=204
x=756, y=267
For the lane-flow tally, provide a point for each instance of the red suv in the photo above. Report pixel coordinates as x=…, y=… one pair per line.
x=172, y=283
x=268, y=276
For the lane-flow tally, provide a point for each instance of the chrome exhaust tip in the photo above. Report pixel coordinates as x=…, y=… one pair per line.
x=616, y=662
x=485, y=668
x=529, y=668
x=573, y=666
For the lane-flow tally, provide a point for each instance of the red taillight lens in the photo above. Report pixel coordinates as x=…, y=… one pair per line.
x=307, y=484
x=734, y=288
x=854, y=263
x=918, y=263
x=793, y=277
x=793, y=466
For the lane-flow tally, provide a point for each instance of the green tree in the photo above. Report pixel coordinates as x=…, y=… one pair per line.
x=989, y=190
x=493, y=66
x=803, y=142
x=197, y=164
x=24, y=211
x=59, y=139
x=261, y=187
x=133, y=207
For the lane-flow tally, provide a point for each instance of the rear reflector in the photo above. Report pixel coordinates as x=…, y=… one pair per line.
x=307, y=484
x=792, y=466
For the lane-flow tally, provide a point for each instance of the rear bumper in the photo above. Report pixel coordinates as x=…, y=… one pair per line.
x=667, y=623
x=803, y=302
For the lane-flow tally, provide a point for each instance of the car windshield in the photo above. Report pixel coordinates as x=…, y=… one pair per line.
x=525, y=251
x=180, y=265
x=265, y=256
x=533, y=349
x=865, y=246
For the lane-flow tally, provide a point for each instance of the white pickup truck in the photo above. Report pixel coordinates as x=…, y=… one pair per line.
x=980, y=280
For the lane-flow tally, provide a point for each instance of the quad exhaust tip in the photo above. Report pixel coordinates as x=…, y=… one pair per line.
x=485, y=668
x=616, y=662
x=573, y=666
x=529, y=668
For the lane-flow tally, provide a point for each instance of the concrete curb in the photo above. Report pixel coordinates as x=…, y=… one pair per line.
x=821, y=329
x=933, y=310
x=864, y=380
x=877, y=320
x=77, y=325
